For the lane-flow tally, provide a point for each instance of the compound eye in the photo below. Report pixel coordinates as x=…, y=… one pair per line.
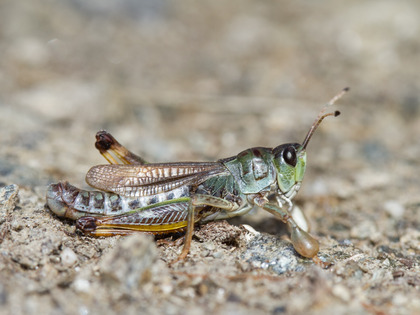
x=289, y=156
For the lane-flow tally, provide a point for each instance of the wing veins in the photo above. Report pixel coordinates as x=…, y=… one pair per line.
x=150, y=179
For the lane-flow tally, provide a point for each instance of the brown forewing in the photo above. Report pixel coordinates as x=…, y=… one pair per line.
x=150, y=179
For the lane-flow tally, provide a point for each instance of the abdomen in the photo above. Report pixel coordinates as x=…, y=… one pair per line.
x=71, y=202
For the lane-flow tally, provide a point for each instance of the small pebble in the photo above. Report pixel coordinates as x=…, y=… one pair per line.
x=217, y=254
x=17, y=225
x=398, y=274
x=399, y=299
x=81, y=285
x=394, y=208
x=209, y=246
x=363, y=230
x=341, y=292
x=166, y=288
x=55, y=259
x=68, y=257
x=83, y=310
x=346, y=242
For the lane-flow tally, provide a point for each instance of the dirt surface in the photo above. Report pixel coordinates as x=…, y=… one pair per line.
x=188, y=80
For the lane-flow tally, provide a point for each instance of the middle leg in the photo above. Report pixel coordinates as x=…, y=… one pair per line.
x=200, y=200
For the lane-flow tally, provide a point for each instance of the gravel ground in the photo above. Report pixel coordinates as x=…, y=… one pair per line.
x=187, y=80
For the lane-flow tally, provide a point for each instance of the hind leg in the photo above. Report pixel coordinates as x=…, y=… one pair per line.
x=109, y=147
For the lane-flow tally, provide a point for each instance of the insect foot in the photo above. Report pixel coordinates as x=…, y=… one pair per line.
x=86, y=224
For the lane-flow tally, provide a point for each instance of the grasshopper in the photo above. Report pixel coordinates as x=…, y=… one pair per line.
x=162, y=198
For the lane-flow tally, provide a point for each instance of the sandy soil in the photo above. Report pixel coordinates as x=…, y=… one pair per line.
x=201, y=81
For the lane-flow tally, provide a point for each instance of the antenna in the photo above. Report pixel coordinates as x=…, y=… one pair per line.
x=322, y=115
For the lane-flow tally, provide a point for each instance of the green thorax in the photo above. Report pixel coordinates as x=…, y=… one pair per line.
x=252, y=169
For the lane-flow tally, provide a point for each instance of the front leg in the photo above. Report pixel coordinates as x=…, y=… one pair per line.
x=302, y=241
